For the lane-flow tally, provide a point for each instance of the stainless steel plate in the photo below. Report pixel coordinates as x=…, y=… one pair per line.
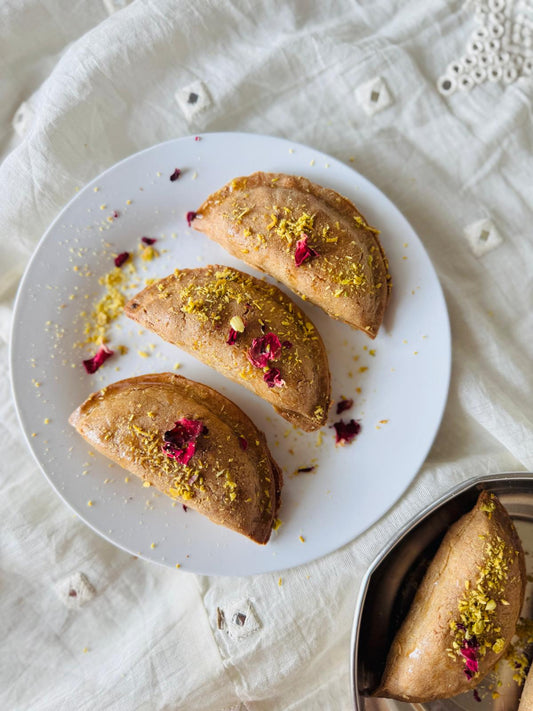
x=391, y=581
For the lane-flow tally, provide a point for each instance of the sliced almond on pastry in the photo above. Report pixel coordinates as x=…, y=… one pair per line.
x=248, y=330
x=310, y=238
x=465, y=611
x=190, y=442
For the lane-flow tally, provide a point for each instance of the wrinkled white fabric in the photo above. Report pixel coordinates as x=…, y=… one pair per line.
x=98, y=87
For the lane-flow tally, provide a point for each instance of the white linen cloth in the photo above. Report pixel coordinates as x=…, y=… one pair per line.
x=97, y=87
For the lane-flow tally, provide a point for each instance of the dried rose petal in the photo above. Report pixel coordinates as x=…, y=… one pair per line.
x=263, y=350
x=180, y=442
x=303, y=251
x=344, y=405
x=121, y=258
x=273, y=378
x=175, y=175
x=346, y=432
x=148, y=240
x=232, y=337
x=243, y=443
x=92, y=364
x=190, y=217
x=469, y=652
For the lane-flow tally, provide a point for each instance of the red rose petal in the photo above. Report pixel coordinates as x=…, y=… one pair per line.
x=263, y=350
x=148, y=240
x=92, y=364
x=180, y=442
x=303, y=251
x=121, y=258
x=190, y=217
x=273, y=378
x=232, y=336
x=346, y=432
x=243, y=443
x=175, y=175
x=344, y=405
x=469, y=652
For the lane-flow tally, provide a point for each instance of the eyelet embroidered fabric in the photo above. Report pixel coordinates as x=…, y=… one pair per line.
x=499, y=50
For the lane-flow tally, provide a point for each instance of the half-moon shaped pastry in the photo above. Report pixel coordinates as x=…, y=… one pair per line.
x=310, y=238
x=248, y=330
x=190, y=442
x=465, y=611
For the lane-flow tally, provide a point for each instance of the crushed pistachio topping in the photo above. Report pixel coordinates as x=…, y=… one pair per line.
x=476, y=629
x=263, y=309
x=489, y=506
x=237, y=324
x=515, y=655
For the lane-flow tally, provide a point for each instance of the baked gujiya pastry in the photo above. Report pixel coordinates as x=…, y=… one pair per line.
x=310, y=238
x=191, y=443
x=465, y=611
x=248, y=330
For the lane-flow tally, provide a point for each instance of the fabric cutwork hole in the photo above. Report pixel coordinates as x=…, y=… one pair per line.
x=482, y=236
x=499, y=50
x=373, y=96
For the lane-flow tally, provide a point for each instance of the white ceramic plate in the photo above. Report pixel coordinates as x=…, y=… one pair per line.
x=403, y=383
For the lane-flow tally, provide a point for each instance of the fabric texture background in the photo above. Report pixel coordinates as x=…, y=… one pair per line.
x=98, y=87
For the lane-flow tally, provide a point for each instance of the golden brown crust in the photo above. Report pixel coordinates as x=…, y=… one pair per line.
x=193, y=308
x=260, y=218
x=235, y=487
x=481, y=548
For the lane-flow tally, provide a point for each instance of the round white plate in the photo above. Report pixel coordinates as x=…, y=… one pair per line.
x=399, y=382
